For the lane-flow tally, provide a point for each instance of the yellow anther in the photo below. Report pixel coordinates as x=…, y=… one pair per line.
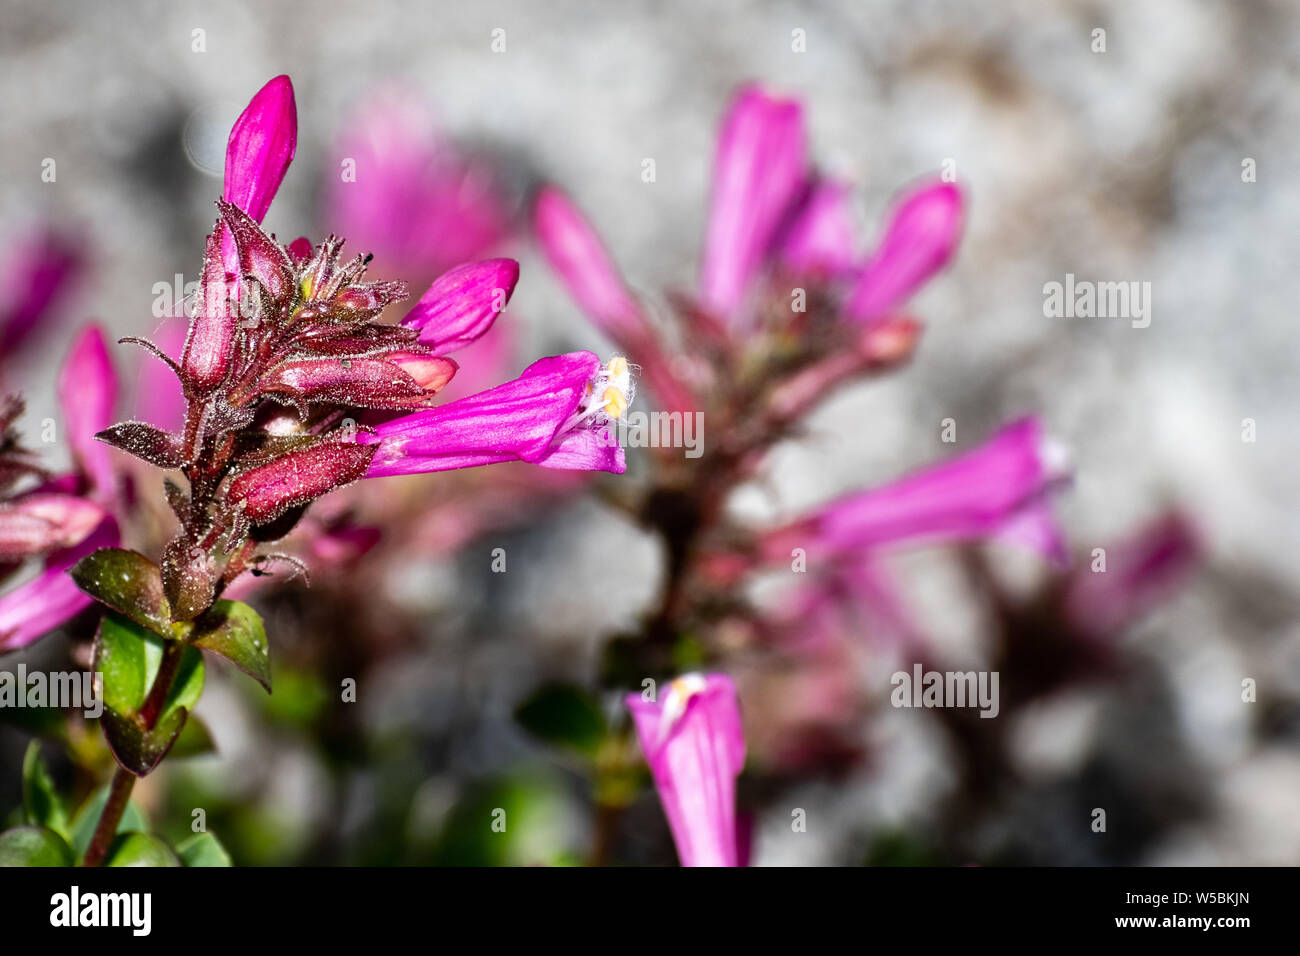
x=617, y=367
x=614, y=402
x=306, y=287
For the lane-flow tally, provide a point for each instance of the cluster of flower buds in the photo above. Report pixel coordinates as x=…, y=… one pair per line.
x=294, y=385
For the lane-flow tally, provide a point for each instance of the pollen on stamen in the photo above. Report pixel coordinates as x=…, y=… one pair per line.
x=615, y=402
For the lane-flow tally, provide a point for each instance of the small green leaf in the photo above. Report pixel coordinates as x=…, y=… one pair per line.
x=42, y=805
x=203, y=849
x=129, y=658
x=195, y=740
x=140, y=849
x=137, y=749
x=34, y=846
x=563, y=715
x=83, y=826
x=128, y=583
x=235, y=631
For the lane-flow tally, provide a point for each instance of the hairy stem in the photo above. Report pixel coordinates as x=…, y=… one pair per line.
x=152, y=708
x=119, y=792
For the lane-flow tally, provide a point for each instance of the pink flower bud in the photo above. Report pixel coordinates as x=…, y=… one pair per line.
x=920, y=239
x=269, y=490
x=210, y=344
x=758, y=173
x=364, y=382
x=261, y=147
x=463, y=303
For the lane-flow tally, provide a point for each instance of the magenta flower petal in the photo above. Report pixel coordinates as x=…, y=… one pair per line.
x=462, y=304
x=586, y=449
x=578, y=257
x=921, y=237
x=32, y=610
x=985, y=492
x=88, y=390
x=533, y=418
x=820, y=239
x=694, y=742
x=260, y=148
x=759, y=171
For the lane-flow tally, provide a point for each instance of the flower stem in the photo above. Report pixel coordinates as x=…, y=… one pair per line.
x=151, y=710
x=119, y=793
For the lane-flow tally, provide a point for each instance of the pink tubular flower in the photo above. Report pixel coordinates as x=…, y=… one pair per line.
x=40, y=522
x=556, y=414
x=820, y=238
x=997, y=489
x=921, y=236
x=759, y=171
x=87, y=393
x=32, y=610
x=1139, y=572
x=578, y=257
x=694, y=743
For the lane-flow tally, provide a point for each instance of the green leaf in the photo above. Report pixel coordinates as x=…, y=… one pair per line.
x=195, y=740
x=235, y=631
x=42, y=805
x=34, y=846
x=140, y=849
x=128, y=583
x=137, y=749
x=83, y=826
x=203, y=849
x=564, y=715
x=129, y=658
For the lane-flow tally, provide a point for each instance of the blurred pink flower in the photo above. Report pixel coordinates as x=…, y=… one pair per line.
x=1139, y=572
x=769, y=214
x=998, y=489
x=694, y=742
x=759, y=171
x=399, y=188
x=34, y=609
x=88, y=391
x=41, y=521
x=920, y=238
x=575, y=252
x=159, y=399
x=43, y=268
x=821, y=237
